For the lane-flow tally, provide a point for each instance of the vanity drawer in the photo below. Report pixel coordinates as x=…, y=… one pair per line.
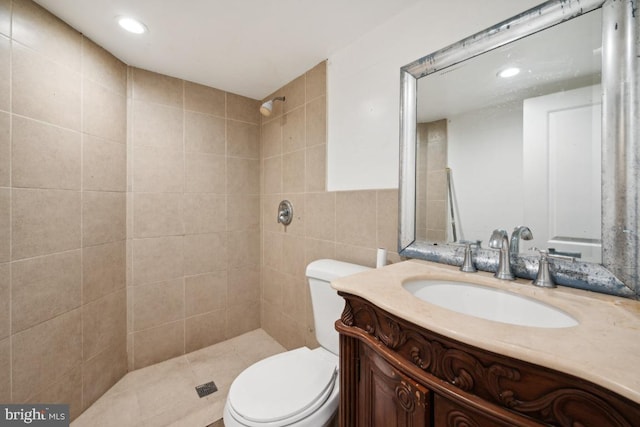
x=447, y=413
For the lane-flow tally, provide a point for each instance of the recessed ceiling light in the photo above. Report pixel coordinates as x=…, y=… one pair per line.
x=132, y=25
x=509, y=72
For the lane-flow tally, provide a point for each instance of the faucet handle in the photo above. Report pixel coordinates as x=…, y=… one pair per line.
x=543, y=278
x=467, y=265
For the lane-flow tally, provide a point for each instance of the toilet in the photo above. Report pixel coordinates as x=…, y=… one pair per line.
x=299, y=387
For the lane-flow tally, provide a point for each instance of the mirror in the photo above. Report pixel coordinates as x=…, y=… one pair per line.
x=480, y=151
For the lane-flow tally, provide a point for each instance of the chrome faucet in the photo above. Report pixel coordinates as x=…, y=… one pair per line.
x=521, y=232
x=500, y=240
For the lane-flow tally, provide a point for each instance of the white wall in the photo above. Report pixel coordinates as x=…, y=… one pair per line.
x=364, y=85
x=485, y=157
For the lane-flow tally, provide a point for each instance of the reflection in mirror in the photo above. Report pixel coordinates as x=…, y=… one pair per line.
x=561, y=117
x=497, y=151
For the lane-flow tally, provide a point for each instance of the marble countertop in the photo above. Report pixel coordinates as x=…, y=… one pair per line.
x=604, y=348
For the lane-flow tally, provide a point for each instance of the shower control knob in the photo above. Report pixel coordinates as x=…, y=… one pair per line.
x=285, y=212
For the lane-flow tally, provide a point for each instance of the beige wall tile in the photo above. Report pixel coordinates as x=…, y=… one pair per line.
x=294, y=334
x=5, y=367
x=316, y=82
x=243, y=176
x=157, y=170
x=103, y=68
x=5, y=69
x=44, y=287
x=387, y=219
x=44, y=156
x=320, y=215
x=294, y=92
x=43, y=354
x=157, y=214
x=293, y=298
x=33, y=26
x=204, y=330
x=242, y=319
x=101, y=372
x=5, y=17
x=273, y=250
x=104, y=112
x=5, y=225
x=316, y=168
x=204, y=253
x=44, y=221
x=205, y=173
x=244, y=212
x=204, y=133
x=272, y=281
x=243, y=139
x=157, y=259
x=205, y=293
x=272, y=170
x=293, y=253
x=293, y=130
x=356, y=254
x=5, y=298
x=103, y=217
x=205, y=213
x=204, y=99
x=44, y=90
x=104, y=165
x=243, y=248
x=104, y=324
x=316, y=121
x=5, y=150
x=243, y=108
x=243, y=286
x=103, y=270
x=357, y=225
x=271, y=138
x=158, y=303
x=66, y=390
x=156, y=125
x=436, y=185
x=293, y=172
x=270, y=204
x=318, y=249
x=158, y=344
x=153, y=87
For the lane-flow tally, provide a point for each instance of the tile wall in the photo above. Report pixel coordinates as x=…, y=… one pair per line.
x=193, y=217
x=137, y=213
x=62, y=211
x=432, y=182
x=347, y=226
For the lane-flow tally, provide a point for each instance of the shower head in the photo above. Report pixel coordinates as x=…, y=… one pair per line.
x=267, y=107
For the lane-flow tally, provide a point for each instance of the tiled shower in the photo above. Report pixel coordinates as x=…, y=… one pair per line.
x=137, y=213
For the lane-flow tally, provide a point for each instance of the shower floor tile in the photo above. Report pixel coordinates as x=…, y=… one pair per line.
x=164, y=394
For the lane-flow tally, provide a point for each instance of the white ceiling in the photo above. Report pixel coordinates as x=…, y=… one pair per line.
x=248, y=47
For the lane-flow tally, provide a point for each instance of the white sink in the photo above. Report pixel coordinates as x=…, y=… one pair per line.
x=489, y=303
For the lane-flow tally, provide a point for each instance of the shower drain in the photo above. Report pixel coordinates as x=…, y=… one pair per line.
x=206, y=389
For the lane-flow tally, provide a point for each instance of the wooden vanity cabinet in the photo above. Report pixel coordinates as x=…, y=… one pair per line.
x=394, y=373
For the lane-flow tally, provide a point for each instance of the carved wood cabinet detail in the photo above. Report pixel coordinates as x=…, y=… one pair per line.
x=394, y=373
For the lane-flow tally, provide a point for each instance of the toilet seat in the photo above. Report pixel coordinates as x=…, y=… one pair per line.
x=284, y=388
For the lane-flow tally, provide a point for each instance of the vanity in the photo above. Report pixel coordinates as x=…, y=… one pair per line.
x=409, y=362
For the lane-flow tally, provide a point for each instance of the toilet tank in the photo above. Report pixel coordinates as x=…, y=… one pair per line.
x=327, y=305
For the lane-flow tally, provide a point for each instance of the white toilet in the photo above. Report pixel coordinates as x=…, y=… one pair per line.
x=299, y=387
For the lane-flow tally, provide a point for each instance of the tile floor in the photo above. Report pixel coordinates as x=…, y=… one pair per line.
x=164, y=394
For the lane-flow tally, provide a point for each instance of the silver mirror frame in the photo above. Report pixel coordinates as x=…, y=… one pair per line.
x=619, y=272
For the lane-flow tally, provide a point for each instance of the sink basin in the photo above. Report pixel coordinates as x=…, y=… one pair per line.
x=489, y=303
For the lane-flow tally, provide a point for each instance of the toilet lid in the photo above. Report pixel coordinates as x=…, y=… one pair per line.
x=284, y=386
